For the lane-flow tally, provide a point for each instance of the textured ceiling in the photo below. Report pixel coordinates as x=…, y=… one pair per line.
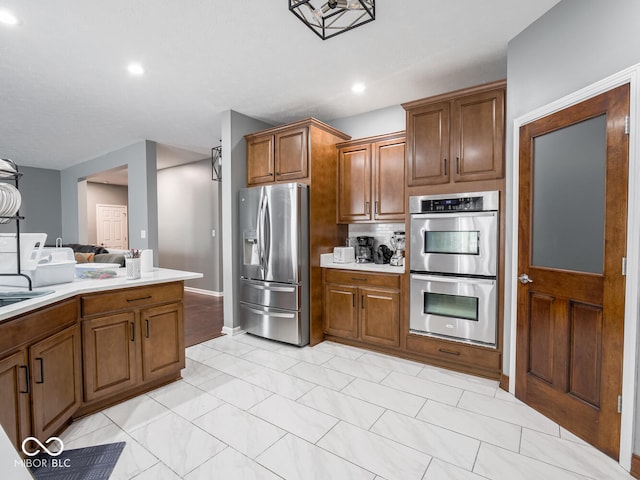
x=66, y=97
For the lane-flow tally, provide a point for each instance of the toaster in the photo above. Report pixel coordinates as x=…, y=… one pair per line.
x=344, y=255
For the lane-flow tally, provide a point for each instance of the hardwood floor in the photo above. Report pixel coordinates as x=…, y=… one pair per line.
x=203, y=318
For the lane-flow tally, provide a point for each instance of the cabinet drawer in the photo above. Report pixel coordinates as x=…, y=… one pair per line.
x=355, y=277
x=37, y=325
x=131, y=298
x=449, y=352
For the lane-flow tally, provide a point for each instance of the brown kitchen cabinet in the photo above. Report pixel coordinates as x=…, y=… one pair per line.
x=56, y=381
x=15, y=412
x=40, y=372
x=456, y=137
x=362, y=306
x=131, y=337
x=371, y=179
x=281, y=156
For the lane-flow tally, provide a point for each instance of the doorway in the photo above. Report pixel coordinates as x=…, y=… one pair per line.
x=571, y=244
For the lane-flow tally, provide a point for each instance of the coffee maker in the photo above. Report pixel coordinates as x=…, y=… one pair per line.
x=364, y=250
x=398, y=242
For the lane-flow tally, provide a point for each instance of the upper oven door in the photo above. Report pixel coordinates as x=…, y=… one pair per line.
x=461, y=243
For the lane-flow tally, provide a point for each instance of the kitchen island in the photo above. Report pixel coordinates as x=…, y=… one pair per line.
x=86, y=345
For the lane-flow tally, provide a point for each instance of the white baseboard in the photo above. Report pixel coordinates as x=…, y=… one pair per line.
x=211, y=293
x=232, y=331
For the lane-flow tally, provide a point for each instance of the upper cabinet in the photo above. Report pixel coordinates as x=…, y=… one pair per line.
x=282, y=154
x=371, y=179
x=456, y=137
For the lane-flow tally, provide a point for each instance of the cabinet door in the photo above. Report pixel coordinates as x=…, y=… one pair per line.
x=389, y=180
x=380, y=316
x=162, y=333
x=14, y=397
x=354, y=184
x=260, y=160
x=109, y=354
x=477, y=136
x=428, y=159
x=292, y=154
x=340, y=312
x=55, y=379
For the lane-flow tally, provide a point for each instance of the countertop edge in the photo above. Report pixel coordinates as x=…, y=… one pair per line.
x=63, y=291
x=326, y=261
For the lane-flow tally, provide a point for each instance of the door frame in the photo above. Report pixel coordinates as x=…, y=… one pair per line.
x=632, y=76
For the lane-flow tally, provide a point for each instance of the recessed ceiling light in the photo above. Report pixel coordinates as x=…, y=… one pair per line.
x=8, y=18
x=135, y=69
x=358, y=88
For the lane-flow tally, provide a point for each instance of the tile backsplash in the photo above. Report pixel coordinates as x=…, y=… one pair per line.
x=380, y=231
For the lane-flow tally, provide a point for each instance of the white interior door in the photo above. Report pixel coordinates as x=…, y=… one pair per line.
x=112, y=226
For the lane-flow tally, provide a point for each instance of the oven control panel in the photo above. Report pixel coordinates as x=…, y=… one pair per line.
x=466, y=204
x=460, y=202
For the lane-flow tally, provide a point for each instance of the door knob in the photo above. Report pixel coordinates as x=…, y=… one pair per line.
x=524, y=279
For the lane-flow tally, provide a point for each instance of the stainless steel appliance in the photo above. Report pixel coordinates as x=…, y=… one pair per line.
x=398, y=243
x=274, y=276
x=364, y=249
x=456, y=233
x=453, y=263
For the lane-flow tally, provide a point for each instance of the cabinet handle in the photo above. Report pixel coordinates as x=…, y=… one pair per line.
x=376, y=207
x=445, y=166
x=366, y=208
x=353, y=298
x=138, y=299
x=39, y=359
x=457, y=165
x=26, y=374
x=133, y=331
x=147, y=326
x=448, y=352
x=271, y=174
x=358, y=279
x=362, y=302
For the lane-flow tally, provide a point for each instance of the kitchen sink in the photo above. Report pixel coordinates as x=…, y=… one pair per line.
x=8, y=298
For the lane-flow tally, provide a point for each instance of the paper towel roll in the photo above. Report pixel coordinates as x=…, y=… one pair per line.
x=146, y=261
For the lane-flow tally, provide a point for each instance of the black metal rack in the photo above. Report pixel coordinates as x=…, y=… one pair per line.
x=15, y=177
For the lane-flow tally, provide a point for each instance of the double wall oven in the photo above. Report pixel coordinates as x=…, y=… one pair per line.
x=453, y=263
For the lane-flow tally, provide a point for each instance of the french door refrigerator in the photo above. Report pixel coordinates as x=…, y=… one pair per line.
x=274, y=274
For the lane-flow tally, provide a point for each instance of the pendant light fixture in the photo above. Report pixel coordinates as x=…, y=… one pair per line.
x=333, y=17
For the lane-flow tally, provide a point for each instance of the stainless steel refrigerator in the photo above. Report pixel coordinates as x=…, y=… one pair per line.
x=274, y=276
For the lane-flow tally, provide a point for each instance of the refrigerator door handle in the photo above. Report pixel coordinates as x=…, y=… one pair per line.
x=260, y=231
x=267, y=236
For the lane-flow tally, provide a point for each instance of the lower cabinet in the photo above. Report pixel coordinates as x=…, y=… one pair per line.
x=15, y=412
x=362, y=306
x=40, y=384
x=137, y=343
x=56, y=381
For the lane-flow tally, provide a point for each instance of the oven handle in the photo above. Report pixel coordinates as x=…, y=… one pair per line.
x=445, y=279
x=420, y=216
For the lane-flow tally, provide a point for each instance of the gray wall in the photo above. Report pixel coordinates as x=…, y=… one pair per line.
x=575, y=44
x=376, y=122
x=234, y=177
x=104, y=194
x=40, y=193
x=140, y=158
x=188, y=212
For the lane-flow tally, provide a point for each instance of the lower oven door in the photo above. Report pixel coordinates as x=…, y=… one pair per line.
x=458, y=308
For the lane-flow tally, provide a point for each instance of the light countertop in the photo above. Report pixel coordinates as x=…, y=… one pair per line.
x=80, y=286
x=326, y=260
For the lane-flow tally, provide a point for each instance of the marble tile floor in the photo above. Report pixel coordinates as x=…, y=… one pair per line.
x=249, y=408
